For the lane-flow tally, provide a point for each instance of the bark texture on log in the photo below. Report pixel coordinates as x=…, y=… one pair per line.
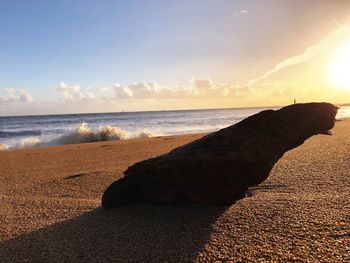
x=219, y=168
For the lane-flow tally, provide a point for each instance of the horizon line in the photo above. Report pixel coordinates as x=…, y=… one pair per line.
x=144, y=111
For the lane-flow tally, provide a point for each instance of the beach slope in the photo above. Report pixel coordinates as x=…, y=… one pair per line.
x=50, y=208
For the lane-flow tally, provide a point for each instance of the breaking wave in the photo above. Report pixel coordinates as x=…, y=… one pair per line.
x=3, y=147
x=81, y=133
x=28, y=142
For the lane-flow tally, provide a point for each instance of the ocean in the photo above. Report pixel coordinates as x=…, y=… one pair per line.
x=46, y=130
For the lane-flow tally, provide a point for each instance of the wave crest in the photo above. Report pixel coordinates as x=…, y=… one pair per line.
x=81, y=133
x=28, y=142
x=3, y=147
x=110, y=133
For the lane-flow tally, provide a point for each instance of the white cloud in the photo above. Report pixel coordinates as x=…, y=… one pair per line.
x=244, y=11
x=144, y=89
x=87, y=96
x=197, y=88
x=122, y=93
x=208, y=88
x=69, y=93
x=12, y=96
x=25, y=96
x=74, y=93
x=104, y=89
x=9, y=90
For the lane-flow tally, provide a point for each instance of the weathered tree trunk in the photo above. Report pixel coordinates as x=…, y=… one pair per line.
x=219, y=168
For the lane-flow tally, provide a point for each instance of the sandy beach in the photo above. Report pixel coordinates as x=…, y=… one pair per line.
x=50, y=208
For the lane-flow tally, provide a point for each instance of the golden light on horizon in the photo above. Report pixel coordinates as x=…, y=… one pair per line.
x=340, y=67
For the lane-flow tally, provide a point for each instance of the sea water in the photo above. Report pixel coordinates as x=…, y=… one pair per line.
x=46, y=130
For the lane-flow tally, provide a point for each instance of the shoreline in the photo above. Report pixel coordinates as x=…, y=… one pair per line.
x=51, y=210
x=92, y=144
x=55, y=142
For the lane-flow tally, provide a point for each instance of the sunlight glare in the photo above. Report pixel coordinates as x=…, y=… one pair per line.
x=340, y=67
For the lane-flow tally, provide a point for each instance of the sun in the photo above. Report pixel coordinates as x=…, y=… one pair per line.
x=340, y=67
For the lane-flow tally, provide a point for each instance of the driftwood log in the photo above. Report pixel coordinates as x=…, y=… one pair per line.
x=219, y=168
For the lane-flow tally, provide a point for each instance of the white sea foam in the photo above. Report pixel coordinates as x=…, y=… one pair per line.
x=145, y=134
x=110, y=133
x=81, y=133
x=28, y=142
x=343, y=112
x=3, y=147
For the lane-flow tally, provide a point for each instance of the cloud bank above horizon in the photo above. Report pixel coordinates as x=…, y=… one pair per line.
x=12, y=95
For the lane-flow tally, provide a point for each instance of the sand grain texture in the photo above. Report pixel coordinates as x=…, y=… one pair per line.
x=50, y=208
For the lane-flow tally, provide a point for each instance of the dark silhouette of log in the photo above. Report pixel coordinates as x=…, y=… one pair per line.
x=219, y=168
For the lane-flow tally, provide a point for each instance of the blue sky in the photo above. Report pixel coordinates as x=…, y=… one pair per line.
x=95, y=44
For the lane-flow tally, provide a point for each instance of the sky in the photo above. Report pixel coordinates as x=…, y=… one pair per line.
x=104, y=56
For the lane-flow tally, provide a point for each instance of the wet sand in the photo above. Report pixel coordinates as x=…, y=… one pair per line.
x=50, y=208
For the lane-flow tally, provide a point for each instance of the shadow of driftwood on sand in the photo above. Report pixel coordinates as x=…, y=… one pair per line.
x=130, y=233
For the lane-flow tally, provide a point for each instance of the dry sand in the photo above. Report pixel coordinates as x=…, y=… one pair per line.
x=50, y=208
